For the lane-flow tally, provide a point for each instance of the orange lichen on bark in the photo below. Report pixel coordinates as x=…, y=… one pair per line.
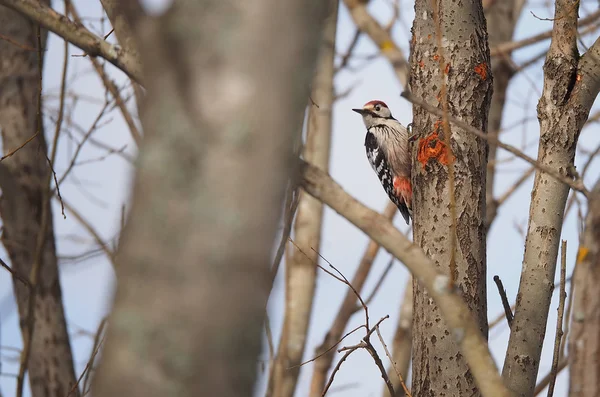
x=432, y=147
x=421, y=63
x=447, y=70
x=481, y=70
x=436, y=57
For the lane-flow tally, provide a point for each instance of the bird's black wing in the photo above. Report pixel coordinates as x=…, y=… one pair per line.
x=379, y=163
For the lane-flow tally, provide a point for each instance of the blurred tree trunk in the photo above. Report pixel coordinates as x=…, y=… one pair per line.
x=584, y=339
x=438, y=367
x=502, y=17
x=27, y=236
x=301, y=269
x=226, y=93
x=402, y=346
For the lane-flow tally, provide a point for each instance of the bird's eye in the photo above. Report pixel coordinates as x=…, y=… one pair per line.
x=378, y=108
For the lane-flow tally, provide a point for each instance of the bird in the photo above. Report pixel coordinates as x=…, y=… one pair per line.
x=387, y=147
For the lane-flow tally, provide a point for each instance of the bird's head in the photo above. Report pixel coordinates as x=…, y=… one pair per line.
x=373, y=112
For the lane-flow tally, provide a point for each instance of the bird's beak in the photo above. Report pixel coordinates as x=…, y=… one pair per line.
x=359, y=111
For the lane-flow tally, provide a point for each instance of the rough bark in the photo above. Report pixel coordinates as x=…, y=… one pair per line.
x=584, y=339
x=501, y=19
x=347, y=309
x=402, y=346
x=219, y=125
x=439, y=368
x=463, y=325
x=571, y=84
x=301, y=269
x=25, y=193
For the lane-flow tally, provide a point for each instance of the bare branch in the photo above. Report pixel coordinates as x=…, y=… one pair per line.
x=575, y=185
x=380, y=36
x=458, y=317
x=559, y=320
x=507, y=310
x=77, y=35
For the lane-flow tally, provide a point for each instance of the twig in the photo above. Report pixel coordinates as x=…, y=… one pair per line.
x=20, y=147
x=87, y=367
x=330, y=348
x=346, y=310
x=507, y=310
x=576, y=185
x=15, y=274
x=87, y=226
x=364, y=344
x=59, y=121
x=559, y=320
x=269, y=338
x=505, y=48
x=569, y=305
x=16, y=43
x=291, y=205
x=97, y=341
x=546, y=379
x=387, y=353
x=111, y=86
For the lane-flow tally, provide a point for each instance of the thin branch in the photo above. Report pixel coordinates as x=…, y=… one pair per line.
x=20, y=147
x=507, y=309
x=576, y=185
x=559, y=320
x=506, y=48
x=387, y=353
x=564, y=363
x=90, y=229
x=98, y=338
x=15, y=274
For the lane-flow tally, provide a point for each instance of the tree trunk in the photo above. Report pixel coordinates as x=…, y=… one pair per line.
x=584, y=339
x=27, y=237
x=301, y=269
x=501, y=19
x=438, y=367
x=194, y=258
x=571, y=85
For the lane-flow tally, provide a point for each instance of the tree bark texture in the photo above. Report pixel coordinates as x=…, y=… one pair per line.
x=25, y=193
x=194, y=258
x=571, y=84
x=439, y=368
x=584, y=339
x=301, y=269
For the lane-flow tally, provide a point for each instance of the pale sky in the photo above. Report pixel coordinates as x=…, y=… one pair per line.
x=99, y=190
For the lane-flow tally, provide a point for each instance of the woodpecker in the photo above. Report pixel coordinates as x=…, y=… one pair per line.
x=386, y=144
